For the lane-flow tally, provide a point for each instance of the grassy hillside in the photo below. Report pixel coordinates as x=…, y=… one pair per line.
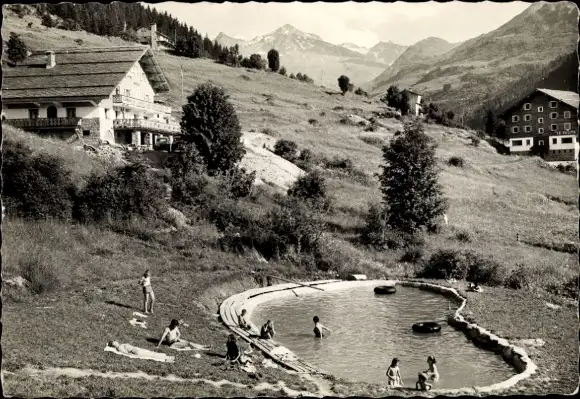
x=492, y=198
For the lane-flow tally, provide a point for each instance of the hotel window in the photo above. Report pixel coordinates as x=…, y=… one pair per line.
x=71, y=112
x=527, y=142
x=527, y=106
x=566, y=114
x=516, y=143
x=106, y=113
x=527, y=117
x=33, y=113
x=554, y=141
x=527, y=129
x=86, y=132
x=553, y=115
x=567, y=126
x=553, y=104
x=128, y=92
x=515, y=129
x=541, y=142
x=567, y=140
x=117, y=90
x=540, y=109
x=541, y=130
x=553, y=127
x=540, y=120
x=515, y=118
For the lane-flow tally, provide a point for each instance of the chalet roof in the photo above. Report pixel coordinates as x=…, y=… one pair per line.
x=79, y=72
x=567, y=97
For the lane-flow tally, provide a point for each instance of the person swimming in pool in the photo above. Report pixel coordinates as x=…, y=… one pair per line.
x=318, y=327
x=268, y=331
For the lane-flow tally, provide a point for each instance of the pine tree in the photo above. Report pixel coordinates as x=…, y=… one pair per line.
x=490, y=122
x=17, y=50
x=343, y=82
x=273, y=60
x=412, y=196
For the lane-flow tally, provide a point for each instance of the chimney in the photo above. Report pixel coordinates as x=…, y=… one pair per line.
x=50, y=59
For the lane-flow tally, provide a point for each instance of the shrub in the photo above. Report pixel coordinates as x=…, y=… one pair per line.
x=35, y=186
x=238, y=182
x=16, y=49
x=445, y=264
x=79, y=42
x=41, y=275
x=483, y=270
x=518, y=278
x=313, y=121
x=310, y=186
x=413, y=254
x=361, y=92
x=343, y=83
x=374, y=230
x=282, y=71
x=269, y=132
x=122, y=194
x=210, y=122
x=456, y=161
x=463, y=236
x=339, y=163
x=286, y=149
x=292, y=76
x=29, y=25
x=375, y=141
x=475, y=141
x=46, y=20
x=187, y=175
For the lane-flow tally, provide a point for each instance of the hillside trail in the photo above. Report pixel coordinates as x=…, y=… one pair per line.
x=55, y=372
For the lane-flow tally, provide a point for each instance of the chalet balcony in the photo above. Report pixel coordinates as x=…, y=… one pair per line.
x=40, y=123
x=130, y=102
x=146, y=126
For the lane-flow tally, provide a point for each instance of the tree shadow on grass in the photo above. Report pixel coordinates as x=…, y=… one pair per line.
x=121, y=305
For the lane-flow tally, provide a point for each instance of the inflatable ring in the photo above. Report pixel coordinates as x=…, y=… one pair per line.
x=385, y=289
x=428, y=327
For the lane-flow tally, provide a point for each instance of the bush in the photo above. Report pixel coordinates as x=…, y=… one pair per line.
x=339, y=163
x=343, y=83
x=413, y=254
x=269, y=132
x=310, y=186
x=374, y=141
x=282, y=71
x=313, y=121
x=79, y=42
x=122, y=194
x=484, y=270
x=210, y=122
x=445, y=264
x=475, y=141
x=46, y=20
x=456, y=161
x=238, y=182
x=273, y=60
x=17, y=50
x=286, y=149
x=374, y=230
x=463, y=236
x=35, y=186
x=361, y=92
x=41, y=275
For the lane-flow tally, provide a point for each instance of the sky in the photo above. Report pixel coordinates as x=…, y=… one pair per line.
x=363, y=24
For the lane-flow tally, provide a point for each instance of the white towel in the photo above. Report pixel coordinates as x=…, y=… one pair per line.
x=140, y=323
x=195, y=347
x=269, y=363
x=139, y=314
x=158, y=357
x=250, y=368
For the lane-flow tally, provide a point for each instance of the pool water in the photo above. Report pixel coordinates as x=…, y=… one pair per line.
x=369, y=330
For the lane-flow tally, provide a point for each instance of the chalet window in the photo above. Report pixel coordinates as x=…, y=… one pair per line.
x=71, y=112
x=553, y=104
x=527, y=106
x=527, y=117
x=515, y=118
x=541, y=142
x=540, y=109
x=567, y=126
x=567, y=140
x=128, y=92
x=527, y=129
x=33, y=113
x=566, y=114
x=553, y=115
x=540, y=120
x=554, y=141
x=517, y=143
x=117, y=90
x=515, y=129
x=541, y=130
x=553, y=127
x=106, y=113
x=527, y=142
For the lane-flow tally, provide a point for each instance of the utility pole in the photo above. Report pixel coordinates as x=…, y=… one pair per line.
x=182, y=84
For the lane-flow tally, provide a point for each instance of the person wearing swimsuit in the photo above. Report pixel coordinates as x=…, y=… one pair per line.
x=318, y=327
x=394, y=375
x=148, y=295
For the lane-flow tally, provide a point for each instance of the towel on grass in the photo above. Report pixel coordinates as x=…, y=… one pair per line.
x=249, y=368
x=269, y=363
x=283, y=353
x=138, y=314
x=143, y=354
x=134, y=322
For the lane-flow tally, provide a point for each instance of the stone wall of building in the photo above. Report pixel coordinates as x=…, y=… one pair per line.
x=91, y=130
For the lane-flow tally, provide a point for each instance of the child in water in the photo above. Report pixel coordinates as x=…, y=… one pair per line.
x=422, y=384
x=394, y=375
x=318, y=327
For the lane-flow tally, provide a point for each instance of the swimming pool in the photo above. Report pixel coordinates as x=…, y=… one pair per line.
x=369, y=330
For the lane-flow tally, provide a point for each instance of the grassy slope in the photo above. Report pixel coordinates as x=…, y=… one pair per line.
x=90, y=257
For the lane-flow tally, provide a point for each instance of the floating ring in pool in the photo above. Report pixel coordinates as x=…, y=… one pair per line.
x=385, y=289
x=427, y=327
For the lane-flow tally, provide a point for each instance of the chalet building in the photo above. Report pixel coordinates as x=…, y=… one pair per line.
x=546, y=120
x=414, y=102
x=107, y=94
x=152, y=37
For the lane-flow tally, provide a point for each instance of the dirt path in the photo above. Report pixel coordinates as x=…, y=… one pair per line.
x=54, y=372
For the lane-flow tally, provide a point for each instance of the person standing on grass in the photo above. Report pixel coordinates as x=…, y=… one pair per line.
x=148, y=295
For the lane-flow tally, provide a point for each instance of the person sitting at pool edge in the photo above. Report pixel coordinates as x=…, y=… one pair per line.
x=318, y=327
x=267, y=331
x=431, y=373
x=422, y=384
x=172, y=337
x=394, y=375
x=244, y=324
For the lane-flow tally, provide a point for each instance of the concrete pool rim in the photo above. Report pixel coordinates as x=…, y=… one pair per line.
x=513, y=355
